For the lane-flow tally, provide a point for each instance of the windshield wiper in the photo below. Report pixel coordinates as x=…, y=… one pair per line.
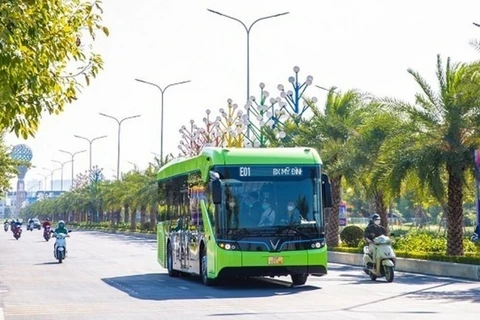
x=297, y=230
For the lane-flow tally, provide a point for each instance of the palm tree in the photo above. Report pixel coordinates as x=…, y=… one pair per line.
x=363, y=170
x=441, y=132
x=330, y=132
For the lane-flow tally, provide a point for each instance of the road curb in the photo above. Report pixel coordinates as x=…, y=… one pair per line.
x=436, y=268
x=127, y=233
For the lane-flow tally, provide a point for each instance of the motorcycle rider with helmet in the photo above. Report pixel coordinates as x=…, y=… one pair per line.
x=61, y=228
x=475, y=237
x=373, y=230
x=46, y=223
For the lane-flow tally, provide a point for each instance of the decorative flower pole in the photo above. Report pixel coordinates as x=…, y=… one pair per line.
x=188, y=145
x=269, y=119
x=231, y=125
x=263, y=117
x=293, y=98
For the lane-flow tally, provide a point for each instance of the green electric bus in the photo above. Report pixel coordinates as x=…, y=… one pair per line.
x=245, y=212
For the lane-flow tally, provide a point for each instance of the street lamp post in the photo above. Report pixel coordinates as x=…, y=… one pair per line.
x=51, y=176
x=73, y=158
x=119, y=122
x=248, y=29
x=45, y=181
x=90, y=141
x=161, y=121
x=61, y=164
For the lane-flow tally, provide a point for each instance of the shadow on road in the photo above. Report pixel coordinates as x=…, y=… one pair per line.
x=356, y=275
x=119, y=236
x=46, y=263
x=468, y=295
x=158, y=286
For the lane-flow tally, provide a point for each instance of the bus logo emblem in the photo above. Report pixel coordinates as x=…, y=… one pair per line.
x=274, y=246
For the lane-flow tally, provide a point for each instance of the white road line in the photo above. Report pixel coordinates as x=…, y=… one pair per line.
x=1, y=314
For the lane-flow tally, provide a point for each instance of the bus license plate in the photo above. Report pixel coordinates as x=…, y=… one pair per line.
x=275, y=260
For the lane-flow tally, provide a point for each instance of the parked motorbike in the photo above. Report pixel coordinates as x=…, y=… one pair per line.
x=380, y=262
x=5, y=227
x=60, y=247
x=47, y=233
x=17, y=232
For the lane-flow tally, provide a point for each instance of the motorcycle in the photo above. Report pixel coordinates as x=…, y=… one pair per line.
x=47, y=233
x=5, y=227
x=475, y=238
x=17, y=232
x=380, y=263
x=30, y=226
x=60, y=247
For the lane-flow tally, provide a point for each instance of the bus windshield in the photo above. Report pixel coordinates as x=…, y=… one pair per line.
x=264, y=200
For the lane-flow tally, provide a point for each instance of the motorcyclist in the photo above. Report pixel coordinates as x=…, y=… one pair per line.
x=18, y=223
x=46, y=224
x=373, y=230
x=61, y=228
x=30, y=223
x=476, y=234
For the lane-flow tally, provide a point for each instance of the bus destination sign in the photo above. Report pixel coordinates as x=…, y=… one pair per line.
x=266, y=171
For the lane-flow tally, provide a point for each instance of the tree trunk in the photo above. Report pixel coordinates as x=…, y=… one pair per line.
x=454, y=214
x=143, y=216
x=381, y=209
x=133, y=219
x=153, y=216
x=332, y=219
x=127, y=212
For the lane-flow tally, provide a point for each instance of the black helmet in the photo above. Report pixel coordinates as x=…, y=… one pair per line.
x=375, y=217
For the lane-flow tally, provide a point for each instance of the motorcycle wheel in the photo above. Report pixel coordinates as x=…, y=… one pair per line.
x=389, y=273
x=372, y=277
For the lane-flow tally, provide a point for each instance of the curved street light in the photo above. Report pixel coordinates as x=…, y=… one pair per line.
x=119, y=122
x=73, y=158
x=61, y=164
x=248, y=29
x=161, y=121
x=90, y=141
x=51, y=176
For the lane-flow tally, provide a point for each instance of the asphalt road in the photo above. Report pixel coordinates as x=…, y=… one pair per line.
x=117, y=277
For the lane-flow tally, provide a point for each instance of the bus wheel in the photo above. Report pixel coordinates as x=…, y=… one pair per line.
x=171, y=272
x=203, y=269
x=299, y=279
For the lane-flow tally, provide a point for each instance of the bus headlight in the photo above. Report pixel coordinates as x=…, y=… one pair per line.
x=317, y=245
x=230, y=246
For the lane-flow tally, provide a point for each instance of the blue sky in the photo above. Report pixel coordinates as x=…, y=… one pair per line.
x=366, y=45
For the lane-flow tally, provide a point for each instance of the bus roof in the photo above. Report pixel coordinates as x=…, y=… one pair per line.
x=210, y=156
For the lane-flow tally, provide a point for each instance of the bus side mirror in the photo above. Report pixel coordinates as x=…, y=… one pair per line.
x=216, y=192
x=326, y=192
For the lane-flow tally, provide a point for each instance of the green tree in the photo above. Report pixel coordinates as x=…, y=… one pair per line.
x=330, y=132
x=7, y=167
x=44, y=56
x=441, y=134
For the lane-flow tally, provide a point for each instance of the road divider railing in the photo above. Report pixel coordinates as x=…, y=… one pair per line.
x=148, y=234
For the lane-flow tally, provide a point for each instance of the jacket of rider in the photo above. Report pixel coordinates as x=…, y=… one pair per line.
x=372, y=231
x=61, y=230
x=45, y=224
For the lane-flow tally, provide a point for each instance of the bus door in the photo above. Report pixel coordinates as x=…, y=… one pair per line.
x=184, y=232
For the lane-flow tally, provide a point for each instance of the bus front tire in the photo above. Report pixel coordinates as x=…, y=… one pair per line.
x=203, y=269
x=171, y=272
x=299, y=279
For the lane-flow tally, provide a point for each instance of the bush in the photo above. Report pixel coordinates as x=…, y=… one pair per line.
x=352, y=235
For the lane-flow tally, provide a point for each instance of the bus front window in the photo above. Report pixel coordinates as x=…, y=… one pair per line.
x=271, y=204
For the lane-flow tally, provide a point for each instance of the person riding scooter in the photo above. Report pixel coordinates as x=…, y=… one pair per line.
x=61, y=228
x=46, y=223
x=373, y=230
x=475, y=237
